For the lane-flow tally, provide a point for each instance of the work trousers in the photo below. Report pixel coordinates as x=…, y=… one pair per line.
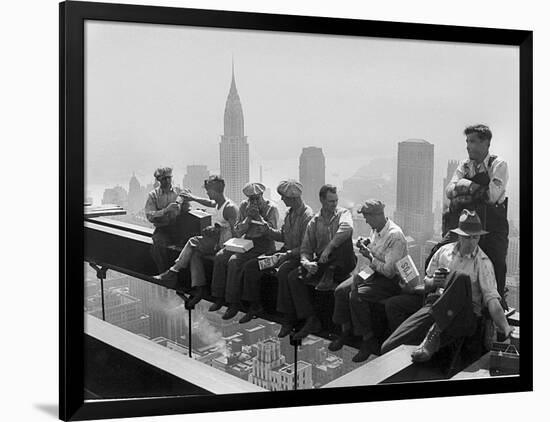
x=352, y=301
x=162, y=238
x=253, y=275
x=191, y=256
x=295, y=299
x=452, y=312
x=399, y=308
x=228, y=272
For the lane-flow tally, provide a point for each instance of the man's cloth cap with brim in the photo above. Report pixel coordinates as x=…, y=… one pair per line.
x=290, y=188
x=254, y=188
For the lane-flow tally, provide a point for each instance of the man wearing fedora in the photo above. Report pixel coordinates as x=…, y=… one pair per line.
x=291, y=233
x=353, y=298
x=256, y=216
x=464, y=282
x=479, y=184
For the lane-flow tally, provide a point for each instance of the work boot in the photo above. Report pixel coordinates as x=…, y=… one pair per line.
x=327, y=283
x=252, y=313
x=167, y=275
x=429, y=345
x=367, y=348
x=311, y=326
x=196, y=296
x=216, y=305
x=339, y=342
x=231, y=311
x=286, y=328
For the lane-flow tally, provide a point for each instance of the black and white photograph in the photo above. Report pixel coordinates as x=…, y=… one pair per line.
x=279, y=211
x=272, y=211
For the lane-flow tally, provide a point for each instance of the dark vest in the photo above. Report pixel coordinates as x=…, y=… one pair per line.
x=493, y=216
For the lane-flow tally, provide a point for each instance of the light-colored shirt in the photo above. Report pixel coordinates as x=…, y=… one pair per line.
x=476, y=265
x=157, y=200
x=294, y=228
x=497, y=172
x=322, y=230
x=254, y=231
x=387, y=247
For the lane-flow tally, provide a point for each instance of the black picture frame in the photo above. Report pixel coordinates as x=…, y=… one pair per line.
x=72, y=16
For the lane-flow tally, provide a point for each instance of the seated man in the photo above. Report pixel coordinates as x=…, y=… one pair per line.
x=212, y=240
x=469, y=285
x=292, y=233
x=385, y=246
x=326, y=254
x=162, y=208
x=256, y=216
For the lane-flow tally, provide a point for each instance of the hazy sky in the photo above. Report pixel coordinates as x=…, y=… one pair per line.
x=156, y=94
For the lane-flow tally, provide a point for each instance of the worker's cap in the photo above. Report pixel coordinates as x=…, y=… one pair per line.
x=253, y=188
x=290, y=188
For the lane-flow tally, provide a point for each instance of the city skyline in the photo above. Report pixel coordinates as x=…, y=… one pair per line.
x=355, y=99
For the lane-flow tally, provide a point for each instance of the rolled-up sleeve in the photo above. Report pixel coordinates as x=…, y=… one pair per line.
x=487, y=282
x=396, y=248
x=497, y=185
x=434, y=263
x=242, y=224
x=344, y=231
x=458, y=174
x=152, y=214
x=308, y=243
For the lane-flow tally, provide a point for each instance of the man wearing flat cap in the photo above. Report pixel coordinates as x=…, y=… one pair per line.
x=479, y=183
x=377, y=281
x=463, y=279
x=291, y=233
x=256, y=216
x=326, y=257
x=162, y=208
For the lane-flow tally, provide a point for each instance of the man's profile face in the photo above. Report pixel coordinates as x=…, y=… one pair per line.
x=330, y=201
x=165, y=182
x=477, y=148
x=211, y=192
x=468, y=244
x=287, y=200
x=256, y=199
x=369, y=218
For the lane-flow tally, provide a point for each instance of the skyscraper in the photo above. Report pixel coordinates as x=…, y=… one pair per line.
x=234, y=152
x=451, y=167
x=414, y=205
x=195, y=177
x=312, y=175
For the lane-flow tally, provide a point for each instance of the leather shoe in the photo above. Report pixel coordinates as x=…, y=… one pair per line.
x=285, y=330
x=429, y=345
x=251, y=314
x=327, y=281
x=196, y=297
x=366, y=349
x=216, y=305
x=338, y=342
x=167, y=275
x=231, y=311
x=311, y=326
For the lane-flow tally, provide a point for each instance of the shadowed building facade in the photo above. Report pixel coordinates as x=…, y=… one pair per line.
x=312, y=175
x=234, y=151
x=415, y=180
